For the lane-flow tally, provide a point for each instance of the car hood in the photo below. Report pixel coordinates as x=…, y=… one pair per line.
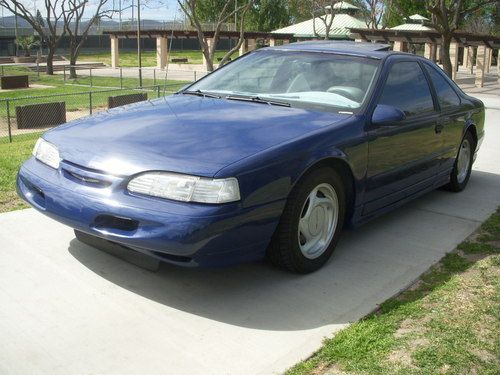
x=181, y=133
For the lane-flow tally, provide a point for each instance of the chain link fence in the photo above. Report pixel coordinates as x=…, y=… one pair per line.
x=25, y=117
x=105, y=77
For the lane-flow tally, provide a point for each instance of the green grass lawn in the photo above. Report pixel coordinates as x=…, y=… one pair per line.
x=447, y=323
x=74, y=92
x=80, y=84
x=148, y=58
x=11, y=157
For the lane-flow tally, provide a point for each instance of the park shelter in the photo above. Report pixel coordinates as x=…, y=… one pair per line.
x=480, y=46
x=162, y=38
x=344, y=18
x=415, y=23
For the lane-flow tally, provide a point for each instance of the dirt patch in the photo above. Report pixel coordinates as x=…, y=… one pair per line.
x=10, y=202
x=484, y=355
x=333, y=370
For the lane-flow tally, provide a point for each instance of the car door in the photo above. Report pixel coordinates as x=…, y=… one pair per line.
x=451, y=117
x=403, y=157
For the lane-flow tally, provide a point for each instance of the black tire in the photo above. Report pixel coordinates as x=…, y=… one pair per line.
x=455, y=184
x=284, y=250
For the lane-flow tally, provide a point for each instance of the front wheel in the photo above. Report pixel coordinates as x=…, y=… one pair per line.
x=463, y=164
x=311, y=223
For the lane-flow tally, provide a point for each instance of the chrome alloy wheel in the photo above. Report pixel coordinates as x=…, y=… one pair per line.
x=318, y=221
x=463, y=161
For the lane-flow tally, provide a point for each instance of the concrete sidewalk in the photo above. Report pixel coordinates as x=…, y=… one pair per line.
x=66, y=308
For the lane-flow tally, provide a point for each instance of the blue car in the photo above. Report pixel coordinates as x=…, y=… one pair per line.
x=269, y=156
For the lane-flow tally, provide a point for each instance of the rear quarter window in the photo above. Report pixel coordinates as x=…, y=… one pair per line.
x=447, y=97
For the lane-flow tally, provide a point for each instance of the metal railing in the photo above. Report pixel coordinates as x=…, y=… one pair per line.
x=25, y=117
x=106, y=77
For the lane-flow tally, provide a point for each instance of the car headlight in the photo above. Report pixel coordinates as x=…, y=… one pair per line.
x=47, y=153
x=186, y=188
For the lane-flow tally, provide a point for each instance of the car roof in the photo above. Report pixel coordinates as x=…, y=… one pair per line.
x=367, y=49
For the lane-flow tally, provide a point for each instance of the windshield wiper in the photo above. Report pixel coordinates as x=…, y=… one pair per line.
x=257, y=99
x=201, y=93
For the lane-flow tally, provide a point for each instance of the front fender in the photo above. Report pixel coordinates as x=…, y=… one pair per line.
x=271, y=175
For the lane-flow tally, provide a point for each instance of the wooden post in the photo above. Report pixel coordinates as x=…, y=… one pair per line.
x=480, y=65
x=161, y=51
x=454, y=60
x=465, y=62
x=115, y=53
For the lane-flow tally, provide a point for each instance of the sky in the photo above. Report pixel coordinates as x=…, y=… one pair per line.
x=164, y=10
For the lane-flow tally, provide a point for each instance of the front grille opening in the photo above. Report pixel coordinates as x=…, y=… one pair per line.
x=172, y=258
x=115, y=222
x=86, y=180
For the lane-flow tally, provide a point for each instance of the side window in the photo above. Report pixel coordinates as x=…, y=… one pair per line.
x=407, y=89
x=447, y=97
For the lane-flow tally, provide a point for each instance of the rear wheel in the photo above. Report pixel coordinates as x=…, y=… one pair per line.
x=463, y=164
x=311, y=223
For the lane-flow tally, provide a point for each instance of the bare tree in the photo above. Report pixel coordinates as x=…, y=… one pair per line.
x=47, y=23
x=324, y=10
x=447, y=16
x=227, y=13
x=375, y=11
x=78, y=31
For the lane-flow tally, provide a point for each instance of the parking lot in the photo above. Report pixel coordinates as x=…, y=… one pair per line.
x=67, y=308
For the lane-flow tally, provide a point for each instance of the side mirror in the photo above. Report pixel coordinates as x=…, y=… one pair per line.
x=387, y=114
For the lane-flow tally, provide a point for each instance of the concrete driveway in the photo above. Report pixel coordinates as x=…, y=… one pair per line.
x=66, y=308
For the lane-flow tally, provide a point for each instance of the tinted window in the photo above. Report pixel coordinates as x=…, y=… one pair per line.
x=447, y=97
x=407, y=89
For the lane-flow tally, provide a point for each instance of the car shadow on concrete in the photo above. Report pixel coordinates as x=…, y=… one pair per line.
x=370, y=264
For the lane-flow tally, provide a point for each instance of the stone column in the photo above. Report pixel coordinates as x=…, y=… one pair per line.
x=243, y=47
x=428, y=50
x=498, y=66
x=489, y=55
x=115, y=54
x=465, y=62
x=252, y=44
x=272, y=42
x=398, y=46
x=454, y=60
x=210, y=42
x=470, y=63
x=161, y=51
x=433, y=52
x=480, y=65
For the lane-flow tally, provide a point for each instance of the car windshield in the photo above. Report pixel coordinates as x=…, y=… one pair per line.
x=305, y=79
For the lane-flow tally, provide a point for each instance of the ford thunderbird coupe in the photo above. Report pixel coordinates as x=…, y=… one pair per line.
x=269, y=156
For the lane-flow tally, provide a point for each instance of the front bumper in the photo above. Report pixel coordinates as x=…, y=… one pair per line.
x=182, y=233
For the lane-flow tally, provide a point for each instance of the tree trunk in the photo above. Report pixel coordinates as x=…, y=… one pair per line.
x=72, y=69
x=50, y=60
x=208, y=61
x=445, y=54
x=72, y=62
